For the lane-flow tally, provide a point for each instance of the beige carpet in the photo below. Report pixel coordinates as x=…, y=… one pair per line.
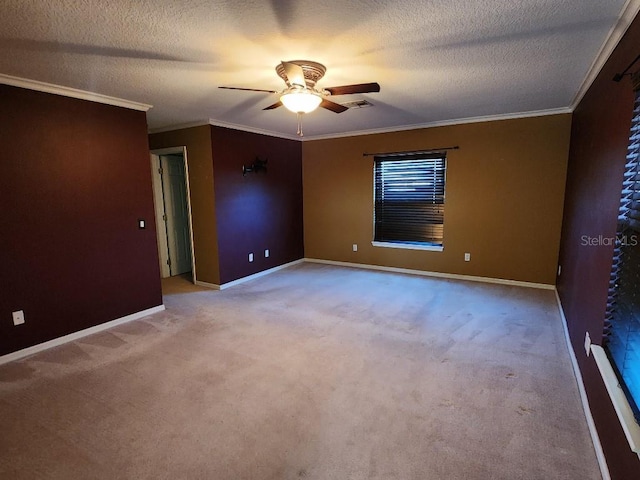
x=313, y=372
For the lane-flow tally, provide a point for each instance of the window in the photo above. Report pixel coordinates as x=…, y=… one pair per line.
x=409, y=201
x=622, y=326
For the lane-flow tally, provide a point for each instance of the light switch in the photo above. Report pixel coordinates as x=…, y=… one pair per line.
x=587, y=343
x=142, y=224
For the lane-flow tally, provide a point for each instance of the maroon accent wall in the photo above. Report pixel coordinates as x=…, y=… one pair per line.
x=599, y=139
x=76, y=178
x=257, y=211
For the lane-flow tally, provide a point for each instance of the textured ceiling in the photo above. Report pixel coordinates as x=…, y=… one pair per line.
x=436, y=60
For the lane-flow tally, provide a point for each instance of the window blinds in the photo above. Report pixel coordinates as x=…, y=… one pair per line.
x=622, y=324
x=409, y=198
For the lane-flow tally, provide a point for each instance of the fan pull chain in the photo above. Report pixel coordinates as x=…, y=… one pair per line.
x=299, y=132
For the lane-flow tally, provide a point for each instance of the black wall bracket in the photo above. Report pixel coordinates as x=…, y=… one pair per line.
x=618, y=76
x=257, y=166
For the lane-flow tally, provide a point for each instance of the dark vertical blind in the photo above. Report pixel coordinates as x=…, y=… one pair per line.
x=409, y=199
x=622, y=325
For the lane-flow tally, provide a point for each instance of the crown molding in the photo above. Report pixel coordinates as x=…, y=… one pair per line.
x=71, y=92
x=180, y=126
x=396, y=128
x=260, y=131
x=444, y=123
x=218, y=123
x=627, y=15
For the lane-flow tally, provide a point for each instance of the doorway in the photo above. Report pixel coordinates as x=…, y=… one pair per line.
x=173, y=212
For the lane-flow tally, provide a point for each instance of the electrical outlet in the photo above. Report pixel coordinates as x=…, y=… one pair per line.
x=467, y=257
x=587, y=343
x=355, y=247
x=266, y=253
x=251, y=257
x=18, y=317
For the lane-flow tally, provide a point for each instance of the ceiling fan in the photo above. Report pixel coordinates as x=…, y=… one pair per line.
x=301, y=94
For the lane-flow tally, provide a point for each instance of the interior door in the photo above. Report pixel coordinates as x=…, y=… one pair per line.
x=174, y=189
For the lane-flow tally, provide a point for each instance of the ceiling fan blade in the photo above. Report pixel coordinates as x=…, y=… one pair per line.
x=275, y=105
x=358, y=88
x=295, y=74
x=249, y=89
x=334, y=107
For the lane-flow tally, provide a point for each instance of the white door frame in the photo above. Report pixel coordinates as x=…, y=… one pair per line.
x=159, y=207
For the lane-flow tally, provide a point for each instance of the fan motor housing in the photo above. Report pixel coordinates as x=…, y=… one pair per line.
x=313, y=71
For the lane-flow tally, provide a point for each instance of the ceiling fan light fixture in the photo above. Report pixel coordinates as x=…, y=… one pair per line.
x=301, y=101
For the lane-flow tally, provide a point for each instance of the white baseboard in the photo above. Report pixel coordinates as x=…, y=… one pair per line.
x=25, y=352
x=248, y=277
x=595, y=438
x=453, y=276
x=212, y=286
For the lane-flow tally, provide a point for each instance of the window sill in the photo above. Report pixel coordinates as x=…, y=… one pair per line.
x=618, y=398
x=409, y=246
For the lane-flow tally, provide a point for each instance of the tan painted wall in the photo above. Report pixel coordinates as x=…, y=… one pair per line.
x=200, y=162
x=504, y=198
